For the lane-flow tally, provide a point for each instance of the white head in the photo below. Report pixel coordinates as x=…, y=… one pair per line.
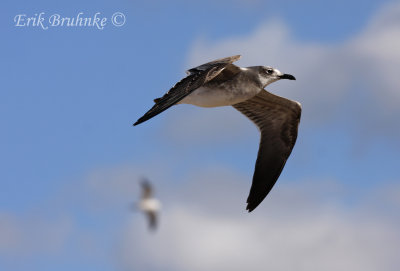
x=267, y=75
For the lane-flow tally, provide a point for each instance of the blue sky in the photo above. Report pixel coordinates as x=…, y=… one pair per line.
x=71, y=161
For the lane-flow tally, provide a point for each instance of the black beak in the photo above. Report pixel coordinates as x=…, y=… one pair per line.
x=287, y=76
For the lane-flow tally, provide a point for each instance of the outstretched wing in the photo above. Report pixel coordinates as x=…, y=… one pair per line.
x=152, y=219
x=278, y=119
x=196, y=78
x=147, y=190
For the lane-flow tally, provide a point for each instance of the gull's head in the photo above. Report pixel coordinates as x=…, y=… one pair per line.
x=268, y=75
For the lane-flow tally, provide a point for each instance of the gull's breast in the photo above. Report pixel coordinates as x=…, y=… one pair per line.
x=149, y=204
x=214, y=97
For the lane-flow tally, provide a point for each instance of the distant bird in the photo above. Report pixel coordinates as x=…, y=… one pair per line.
x=221, y=83
x=149, y=205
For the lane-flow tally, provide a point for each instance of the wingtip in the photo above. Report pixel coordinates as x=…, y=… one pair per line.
x=236, y=57
x=139, y=121
x=250, y=208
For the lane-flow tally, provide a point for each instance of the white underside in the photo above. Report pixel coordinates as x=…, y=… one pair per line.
x=149, y=205
x=207, y=97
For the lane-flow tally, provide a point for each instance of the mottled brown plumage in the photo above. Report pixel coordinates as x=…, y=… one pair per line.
x=277, y=119
x=196, y=78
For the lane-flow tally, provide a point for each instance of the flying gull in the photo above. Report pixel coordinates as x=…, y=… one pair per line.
x=149, y=205
x=221, y=83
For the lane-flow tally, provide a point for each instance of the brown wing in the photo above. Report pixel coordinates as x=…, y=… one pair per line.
x=147, y=190
x=152, y=218
x=225, y=75
x=196, y=78
x=278, y=119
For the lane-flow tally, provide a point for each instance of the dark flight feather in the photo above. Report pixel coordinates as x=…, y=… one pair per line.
x=196, y=78
x=277, y=119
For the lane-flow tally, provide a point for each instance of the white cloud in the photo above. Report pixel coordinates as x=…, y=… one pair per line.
x=379, y=46
x=296, y=228
x=301, y=225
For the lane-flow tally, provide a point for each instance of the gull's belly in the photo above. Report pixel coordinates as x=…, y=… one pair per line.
x=213, y=97
x=149, y=205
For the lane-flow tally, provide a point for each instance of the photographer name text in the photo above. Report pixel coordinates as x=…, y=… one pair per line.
x=40, y=20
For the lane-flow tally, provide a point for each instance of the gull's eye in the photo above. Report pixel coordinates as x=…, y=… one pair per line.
x=269, y=71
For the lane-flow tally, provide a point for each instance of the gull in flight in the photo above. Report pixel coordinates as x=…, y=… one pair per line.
x=221, y=83
x=149, y=205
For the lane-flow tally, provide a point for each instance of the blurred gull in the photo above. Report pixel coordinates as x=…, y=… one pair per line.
x=221, y=83
x=149, y=205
